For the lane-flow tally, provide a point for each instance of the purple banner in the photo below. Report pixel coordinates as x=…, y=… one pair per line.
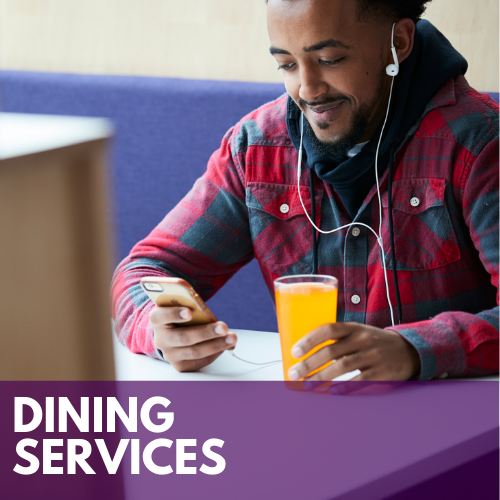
x=247, y=440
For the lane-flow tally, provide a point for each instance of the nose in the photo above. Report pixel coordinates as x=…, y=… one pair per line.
x=312, y=84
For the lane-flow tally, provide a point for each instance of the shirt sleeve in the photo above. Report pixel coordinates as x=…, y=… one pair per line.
x=459, y=344
x=205, y=239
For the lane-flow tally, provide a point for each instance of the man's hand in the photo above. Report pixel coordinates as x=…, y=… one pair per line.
x=379, y=354
x=189, y=348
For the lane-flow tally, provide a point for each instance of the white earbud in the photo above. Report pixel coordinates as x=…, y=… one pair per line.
x=393, y=69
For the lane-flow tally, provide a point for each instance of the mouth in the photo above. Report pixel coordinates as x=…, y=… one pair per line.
x=327, y=112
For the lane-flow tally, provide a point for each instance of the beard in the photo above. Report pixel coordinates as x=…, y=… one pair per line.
x=339, y=147
x=358, y=125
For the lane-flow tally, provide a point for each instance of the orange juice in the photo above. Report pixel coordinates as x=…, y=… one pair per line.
x=301, y=307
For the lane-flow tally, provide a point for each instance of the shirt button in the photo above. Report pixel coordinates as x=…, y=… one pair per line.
x=284, y=209
x=356, y=231
x=415, y=202
x=444, y=375
x=355, y=299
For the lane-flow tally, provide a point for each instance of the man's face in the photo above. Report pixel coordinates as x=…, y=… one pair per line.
x=333, y=66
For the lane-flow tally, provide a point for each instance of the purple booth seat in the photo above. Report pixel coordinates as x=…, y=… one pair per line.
x=165, y=131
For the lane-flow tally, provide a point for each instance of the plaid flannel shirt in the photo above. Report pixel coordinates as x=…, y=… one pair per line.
x=446, y=240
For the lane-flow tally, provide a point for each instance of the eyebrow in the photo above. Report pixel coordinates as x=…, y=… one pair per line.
x=333, y=44
x=325, y=44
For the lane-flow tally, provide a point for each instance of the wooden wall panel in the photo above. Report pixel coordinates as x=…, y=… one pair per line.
x=214, y=39
x=55, y=268
x=472, y=28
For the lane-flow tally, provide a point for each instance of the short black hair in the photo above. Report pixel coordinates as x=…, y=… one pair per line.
x=393, y=10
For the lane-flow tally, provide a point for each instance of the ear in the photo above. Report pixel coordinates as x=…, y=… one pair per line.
x=404, y=33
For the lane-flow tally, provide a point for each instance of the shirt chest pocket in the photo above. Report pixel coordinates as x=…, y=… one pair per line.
x=281, y=233
x=424, y=237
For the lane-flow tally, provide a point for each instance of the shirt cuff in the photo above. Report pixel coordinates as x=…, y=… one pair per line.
x=440, y=356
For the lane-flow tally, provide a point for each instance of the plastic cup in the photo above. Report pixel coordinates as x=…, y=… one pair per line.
x=303, y=303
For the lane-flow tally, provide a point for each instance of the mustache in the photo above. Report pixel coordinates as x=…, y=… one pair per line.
x=322, y=102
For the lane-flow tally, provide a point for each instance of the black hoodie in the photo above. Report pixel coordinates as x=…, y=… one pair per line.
x=431, y=63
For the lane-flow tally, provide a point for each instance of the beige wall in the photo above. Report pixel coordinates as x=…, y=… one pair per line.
x=214, y=39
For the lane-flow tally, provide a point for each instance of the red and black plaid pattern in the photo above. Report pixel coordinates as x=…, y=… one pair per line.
x=445, y=213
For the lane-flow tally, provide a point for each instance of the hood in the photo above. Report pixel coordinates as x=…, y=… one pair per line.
x=432, y=62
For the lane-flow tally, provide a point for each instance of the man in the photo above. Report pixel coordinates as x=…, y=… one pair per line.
x=438, y=153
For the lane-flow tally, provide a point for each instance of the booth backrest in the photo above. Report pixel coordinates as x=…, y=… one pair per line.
x=165, y=131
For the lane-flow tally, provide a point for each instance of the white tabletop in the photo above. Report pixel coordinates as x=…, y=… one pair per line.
x=253, y=346
x=23, y=134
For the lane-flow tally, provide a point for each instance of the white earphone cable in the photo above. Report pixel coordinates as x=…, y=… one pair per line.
x=379, y=235
x=380, y=207
x=392, y=70
x=299, y=173
x=252, y=362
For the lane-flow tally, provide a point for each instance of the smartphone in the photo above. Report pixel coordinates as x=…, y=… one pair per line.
x=177, y=292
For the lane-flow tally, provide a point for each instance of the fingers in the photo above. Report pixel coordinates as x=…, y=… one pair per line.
x=366, y=362
x=162, y=319
x=161, y=316
x=193, y=366
x=188, y=336
x=332, y=331
x=319, y=358
x=201, y=350
x=343, y=364
x=188, y=348
x=197, y=356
